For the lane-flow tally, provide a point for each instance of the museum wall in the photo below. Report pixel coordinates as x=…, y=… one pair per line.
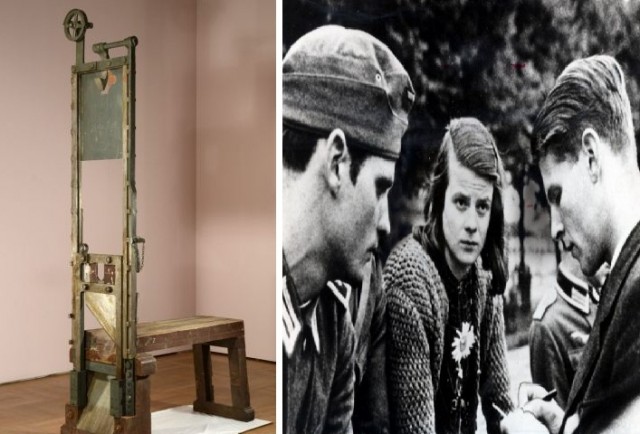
x=35, y=97
x=235, y=217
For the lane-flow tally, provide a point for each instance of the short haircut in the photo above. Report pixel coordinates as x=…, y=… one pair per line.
x=299, y=145
x=589, y=93
x=475, y=149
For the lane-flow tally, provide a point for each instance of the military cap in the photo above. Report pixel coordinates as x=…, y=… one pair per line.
x=334, y=77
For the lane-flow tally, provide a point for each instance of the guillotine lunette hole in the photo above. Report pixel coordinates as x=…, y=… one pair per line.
x=98, y=272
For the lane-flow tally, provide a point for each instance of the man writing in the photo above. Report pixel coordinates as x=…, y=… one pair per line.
x=587, y=155
x=346, y=100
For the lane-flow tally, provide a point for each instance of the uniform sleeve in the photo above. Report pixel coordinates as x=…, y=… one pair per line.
x=547, y=365
x=411, y=387
x=340, y=408
x=371, y=412
x=494, y=377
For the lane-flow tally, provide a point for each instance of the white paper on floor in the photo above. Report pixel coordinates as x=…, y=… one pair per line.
x=183, y=420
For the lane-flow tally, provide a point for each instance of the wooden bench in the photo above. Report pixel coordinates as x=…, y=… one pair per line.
x=201, y=332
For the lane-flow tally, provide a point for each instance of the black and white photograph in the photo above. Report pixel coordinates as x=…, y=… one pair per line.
x=460, y=216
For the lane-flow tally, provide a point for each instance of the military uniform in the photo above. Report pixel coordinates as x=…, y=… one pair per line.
x=318, y=363
x=368, y=309
x=344, y=82
x=559, y=331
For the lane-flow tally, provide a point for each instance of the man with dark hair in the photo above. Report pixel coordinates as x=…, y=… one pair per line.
x=584, y=141
x=346, y=100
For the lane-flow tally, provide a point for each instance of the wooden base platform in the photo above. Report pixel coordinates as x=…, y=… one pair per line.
x=37, y=406
x=201, y=332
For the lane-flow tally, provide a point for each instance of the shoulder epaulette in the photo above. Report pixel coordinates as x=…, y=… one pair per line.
x=342, y=292
x=547, y=300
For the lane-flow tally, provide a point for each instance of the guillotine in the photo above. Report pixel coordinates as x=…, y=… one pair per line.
x=103, y=128
x=110, y=380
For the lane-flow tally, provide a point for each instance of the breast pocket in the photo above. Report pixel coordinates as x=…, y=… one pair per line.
x=575, y=355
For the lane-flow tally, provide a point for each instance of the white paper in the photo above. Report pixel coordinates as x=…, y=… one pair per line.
x=183, y=420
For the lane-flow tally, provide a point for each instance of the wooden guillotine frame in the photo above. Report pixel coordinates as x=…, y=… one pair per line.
x=110, y=381
x=103, y=128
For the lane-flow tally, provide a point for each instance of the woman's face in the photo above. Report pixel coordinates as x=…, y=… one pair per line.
x=465, y=218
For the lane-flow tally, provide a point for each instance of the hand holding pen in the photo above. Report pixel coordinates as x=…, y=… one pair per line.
x=547, y=397
x=539, y=414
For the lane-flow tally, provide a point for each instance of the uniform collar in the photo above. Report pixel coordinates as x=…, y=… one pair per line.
x=310, y=318
x=300, y=321
x=573, y=290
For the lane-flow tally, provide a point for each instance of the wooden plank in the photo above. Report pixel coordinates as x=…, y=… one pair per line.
x=203, y=374
x=160, y=335
x=99, y=348
x=103, y=307
x=238, y=375
x=185, y=324
x=145, y=365
x=96, y=417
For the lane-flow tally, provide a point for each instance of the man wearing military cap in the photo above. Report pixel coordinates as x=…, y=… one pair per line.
x=346, y=100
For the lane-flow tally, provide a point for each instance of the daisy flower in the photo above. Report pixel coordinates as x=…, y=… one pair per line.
x=463, y=343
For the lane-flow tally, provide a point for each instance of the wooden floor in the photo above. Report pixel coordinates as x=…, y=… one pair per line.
x=37, y=406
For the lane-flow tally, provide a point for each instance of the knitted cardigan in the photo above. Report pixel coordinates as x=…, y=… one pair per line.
x=417, y=313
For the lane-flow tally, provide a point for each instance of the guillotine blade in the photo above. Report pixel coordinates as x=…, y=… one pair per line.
x=102, y=116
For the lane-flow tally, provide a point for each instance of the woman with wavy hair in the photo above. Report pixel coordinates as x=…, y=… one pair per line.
x=445, y=337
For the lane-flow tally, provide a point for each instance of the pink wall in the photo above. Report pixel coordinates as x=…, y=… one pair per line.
x=236, y=156
x=35, y=169
x=209, y=222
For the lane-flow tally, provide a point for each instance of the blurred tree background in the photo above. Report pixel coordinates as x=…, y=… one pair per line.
x=493, y=60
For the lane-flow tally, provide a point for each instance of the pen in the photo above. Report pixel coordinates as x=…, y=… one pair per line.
x=548, y=397
x=500, y=412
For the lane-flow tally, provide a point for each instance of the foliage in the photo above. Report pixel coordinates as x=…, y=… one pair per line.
x=493, y=60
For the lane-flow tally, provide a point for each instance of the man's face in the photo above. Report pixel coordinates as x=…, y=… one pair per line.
x=362, y=214
x=574, y=212
x=465, y=217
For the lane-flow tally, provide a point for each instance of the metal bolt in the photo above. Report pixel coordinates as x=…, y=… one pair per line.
x=85, y=287
x=72, y=316
x=109, y=289
x=108, y=259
